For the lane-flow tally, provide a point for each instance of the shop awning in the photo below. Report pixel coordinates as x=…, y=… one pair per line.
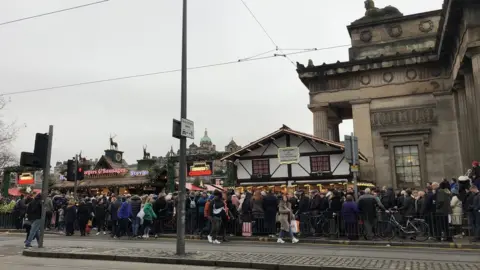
x=213, y=187
x=15, y=192
x=191, y=187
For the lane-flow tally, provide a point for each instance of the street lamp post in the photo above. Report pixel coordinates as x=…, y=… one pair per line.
x=183, y=143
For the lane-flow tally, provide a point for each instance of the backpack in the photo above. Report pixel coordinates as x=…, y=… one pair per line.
x=192, y=203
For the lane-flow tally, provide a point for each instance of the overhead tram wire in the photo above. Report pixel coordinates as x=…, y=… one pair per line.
x=266, y=32
x=53, y=12
x=135, y=76
x=247, y=59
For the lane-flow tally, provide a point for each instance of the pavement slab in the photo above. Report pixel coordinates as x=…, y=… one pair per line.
x=274, y=261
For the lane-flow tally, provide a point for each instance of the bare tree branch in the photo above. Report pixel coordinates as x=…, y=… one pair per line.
x=8, y=133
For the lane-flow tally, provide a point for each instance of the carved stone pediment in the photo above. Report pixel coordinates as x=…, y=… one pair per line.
x=424, y=134
x=398, y=117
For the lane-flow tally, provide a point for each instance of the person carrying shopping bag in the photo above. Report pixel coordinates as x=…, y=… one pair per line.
x=285, y=217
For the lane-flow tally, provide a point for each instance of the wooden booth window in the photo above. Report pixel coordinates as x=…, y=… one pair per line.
x=320, y=163
x=260, y=167
x=407, y=166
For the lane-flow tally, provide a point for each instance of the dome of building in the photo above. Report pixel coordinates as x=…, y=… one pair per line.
x=205, y=139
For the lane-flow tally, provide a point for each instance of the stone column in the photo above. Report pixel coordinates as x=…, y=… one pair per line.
x=362, y=128
x=445, y=138
x=471, y=125
x=463, y=136
x=333, y=124
x=320, y=120
x=475, y=56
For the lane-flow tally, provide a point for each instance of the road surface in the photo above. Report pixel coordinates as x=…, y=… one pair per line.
x=11, y=247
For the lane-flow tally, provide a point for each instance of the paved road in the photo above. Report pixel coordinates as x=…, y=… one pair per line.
x=14, y=244
x=27, y=263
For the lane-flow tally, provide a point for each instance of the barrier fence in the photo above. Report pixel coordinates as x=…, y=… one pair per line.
x=386, y=226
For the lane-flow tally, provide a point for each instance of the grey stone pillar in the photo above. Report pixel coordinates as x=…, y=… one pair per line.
x=333, y=125
x=472, y=110
x=320, y=120
x=475, y=55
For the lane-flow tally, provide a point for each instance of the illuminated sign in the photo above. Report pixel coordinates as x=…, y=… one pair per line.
x=106, y=171
x=138, y=173
x=26, y=179
x=200, y=169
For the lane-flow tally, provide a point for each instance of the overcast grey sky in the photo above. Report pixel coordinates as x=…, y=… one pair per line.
x=125, y=37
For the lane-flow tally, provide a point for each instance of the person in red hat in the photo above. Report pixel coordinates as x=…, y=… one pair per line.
x=475, y=174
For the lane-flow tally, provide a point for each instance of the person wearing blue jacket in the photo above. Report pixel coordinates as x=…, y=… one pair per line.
x=124, y=213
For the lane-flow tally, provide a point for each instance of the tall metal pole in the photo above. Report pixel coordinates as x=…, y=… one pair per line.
x=183, y=143
x=75, y=187
x=46, y=180
x=354, y=162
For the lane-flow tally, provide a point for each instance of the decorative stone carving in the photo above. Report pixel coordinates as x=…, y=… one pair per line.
x=435, y=85
x=411, y=74
x=395, y=30
x=423, y=133
x=403, y=117
x=425, y=26
x=365, y=79
x=366, y=36
x=388, y=77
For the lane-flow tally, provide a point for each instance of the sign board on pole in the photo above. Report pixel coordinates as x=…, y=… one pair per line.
x=187, y=128
x=351, y=149
x=288, y=155
x=354, y=168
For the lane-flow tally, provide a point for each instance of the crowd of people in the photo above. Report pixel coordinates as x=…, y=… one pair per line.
x=450, y=208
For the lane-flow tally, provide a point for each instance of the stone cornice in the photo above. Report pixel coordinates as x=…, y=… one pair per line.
x=380, y=78
x=318, y=107
x=360, y=101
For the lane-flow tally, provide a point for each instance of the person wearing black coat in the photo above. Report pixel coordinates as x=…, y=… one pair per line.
x=70, y=218
x=100, y=215
x=113, y=212
x=83, y=215
x=270, y=207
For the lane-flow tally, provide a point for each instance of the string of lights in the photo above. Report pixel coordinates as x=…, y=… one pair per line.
x=53, y=12
x=247, y=59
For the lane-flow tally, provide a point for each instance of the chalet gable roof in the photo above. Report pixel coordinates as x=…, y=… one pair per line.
x=281, y=132
x=110, y=164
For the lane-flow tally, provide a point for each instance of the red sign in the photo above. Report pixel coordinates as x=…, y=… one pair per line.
x=200, y=173
x=26, y=179
x=200, y=169
x=106, y=171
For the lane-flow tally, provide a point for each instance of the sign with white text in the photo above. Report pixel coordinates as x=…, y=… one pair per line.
x=187, y=128
x=288, y=155
x=106, y=172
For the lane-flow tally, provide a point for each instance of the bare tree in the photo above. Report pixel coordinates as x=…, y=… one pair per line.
x=8, y=133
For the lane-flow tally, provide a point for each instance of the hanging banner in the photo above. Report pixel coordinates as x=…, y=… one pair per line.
x=289, y=155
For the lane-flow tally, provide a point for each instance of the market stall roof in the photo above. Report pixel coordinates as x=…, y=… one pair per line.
x=281, y=132
x=104, y=182
x=16, y=192
x=192, y=187
x=213, y=187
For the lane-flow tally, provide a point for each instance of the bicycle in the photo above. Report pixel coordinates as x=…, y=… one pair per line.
x=415, y=228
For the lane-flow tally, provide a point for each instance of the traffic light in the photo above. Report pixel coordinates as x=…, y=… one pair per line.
x=80, y=174
x=40, y=149
x=70, y=170
x=38, y=158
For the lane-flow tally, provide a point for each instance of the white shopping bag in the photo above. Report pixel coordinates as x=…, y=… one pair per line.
x=294, y=226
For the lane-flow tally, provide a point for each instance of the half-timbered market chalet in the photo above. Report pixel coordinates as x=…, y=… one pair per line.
x=290, y=160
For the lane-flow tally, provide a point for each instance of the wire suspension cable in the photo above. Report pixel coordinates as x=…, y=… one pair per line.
x=265, y=31
x=135, y=76
x=53, y=12
x=253, y=58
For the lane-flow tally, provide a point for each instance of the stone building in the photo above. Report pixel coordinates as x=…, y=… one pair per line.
x=412, y=88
